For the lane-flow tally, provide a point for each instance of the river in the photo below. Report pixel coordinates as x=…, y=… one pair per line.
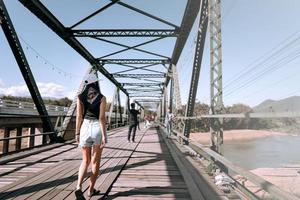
x=273, y=151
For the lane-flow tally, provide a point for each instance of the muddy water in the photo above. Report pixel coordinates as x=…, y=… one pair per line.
x=272, y=151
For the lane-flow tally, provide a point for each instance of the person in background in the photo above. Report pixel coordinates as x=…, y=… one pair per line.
x=90, y=134
x=168, y=122
x=133, y=122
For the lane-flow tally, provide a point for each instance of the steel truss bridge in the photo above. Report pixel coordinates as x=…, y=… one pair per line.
x=144, y=81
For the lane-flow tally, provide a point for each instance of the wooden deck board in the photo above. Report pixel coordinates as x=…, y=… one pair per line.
x=141, y=170
x=25, y=183
x=70, y=181
x=150, y=173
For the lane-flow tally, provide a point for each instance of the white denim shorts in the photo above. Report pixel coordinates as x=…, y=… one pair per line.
x=90, y=133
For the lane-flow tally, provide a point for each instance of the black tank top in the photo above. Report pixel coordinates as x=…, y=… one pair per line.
x=92, y=110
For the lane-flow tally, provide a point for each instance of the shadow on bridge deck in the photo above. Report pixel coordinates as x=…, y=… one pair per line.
x=142, y=170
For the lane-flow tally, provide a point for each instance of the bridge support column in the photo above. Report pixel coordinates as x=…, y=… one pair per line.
x=196, y=66
x=216, y=90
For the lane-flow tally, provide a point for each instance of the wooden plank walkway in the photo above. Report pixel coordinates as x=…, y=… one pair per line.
x=151, y=173
x=29, y=165
x=141, y=170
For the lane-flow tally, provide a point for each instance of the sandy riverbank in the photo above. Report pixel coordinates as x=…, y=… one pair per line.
x=287, y=178
x=230, y=135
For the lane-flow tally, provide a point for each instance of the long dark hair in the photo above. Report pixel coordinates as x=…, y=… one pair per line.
x=83, y=96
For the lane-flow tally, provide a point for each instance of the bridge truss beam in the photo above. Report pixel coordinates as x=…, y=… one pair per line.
x=216, y=90
x=148, y=100
x=127, y=48
x=188, y=20
x=146, y=95
x=202, y=29
x=38, y=9
x=142, y=90
x=125, y=33
x=143, y=84
x=139, y=75
x=134, y=61
x=176, y=89
x=23, y=64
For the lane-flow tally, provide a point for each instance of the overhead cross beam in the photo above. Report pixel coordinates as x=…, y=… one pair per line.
x=148, y=100
x=145, y=95
x=143, y=90
x=134, y=61
x=125, y=32
x=95, y=13
x=37, y=8
x=139, y=75
x=144, y=68
x=142, y=84
x=132, y=47
x=145, y=13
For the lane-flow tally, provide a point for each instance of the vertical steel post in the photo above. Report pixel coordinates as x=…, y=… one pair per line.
x=165, y=102
x=20, y=57
x=119, y=106
x=161, y=110
x=31, y=139
x=19, y=140
x=176, y=89
x=112, y=104
x=171, y=94
x=197, y=65
x=5, y=149
x=216, y=91
x=162, y=107
x=126, y=111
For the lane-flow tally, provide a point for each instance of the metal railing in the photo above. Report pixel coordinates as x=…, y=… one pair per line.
x=17, y=107
x=220, y=161
x=211, y=155
x=19, y=131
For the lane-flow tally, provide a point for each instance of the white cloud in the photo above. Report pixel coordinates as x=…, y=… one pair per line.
x=51, y=90
x=71, y=95
x=46, y=89
x=18, y=90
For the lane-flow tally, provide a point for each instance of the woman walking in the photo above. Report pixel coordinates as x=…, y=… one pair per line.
x=90, y=134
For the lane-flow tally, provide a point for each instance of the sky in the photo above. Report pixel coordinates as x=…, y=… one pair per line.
x=260, y=48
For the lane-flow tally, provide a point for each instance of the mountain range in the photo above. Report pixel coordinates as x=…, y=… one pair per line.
x=283, y=105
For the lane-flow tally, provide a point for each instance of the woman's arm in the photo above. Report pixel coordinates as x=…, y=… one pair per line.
x=102, y=119
x=79, y=112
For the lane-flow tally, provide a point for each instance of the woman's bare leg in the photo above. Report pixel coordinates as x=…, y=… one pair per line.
x=86, y=159
x=96, y=157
